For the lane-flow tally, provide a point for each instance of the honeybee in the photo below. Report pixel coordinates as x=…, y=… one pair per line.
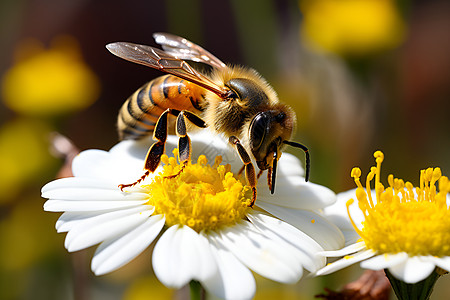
x=233, y=101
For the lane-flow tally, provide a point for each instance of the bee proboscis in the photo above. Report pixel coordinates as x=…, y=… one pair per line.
x=230, y=100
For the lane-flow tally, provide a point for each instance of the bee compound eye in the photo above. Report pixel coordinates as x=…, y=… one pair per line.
x=258, y=129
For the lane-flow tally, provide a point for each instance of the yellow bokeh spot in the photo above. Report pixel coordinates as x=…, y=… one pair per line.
x=351, y=27
x=26, y=236
x=404, y=218
x=24, y=155
x=202, y=196
x=49, y=81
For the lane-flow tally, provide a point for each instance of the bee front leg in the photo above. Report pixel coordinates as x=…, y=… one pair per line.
x=249, y=169
x=184, y=142
x=155, y=152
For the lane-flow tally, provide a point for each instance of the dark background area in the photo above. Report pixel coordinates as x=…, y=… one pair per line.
x=386, y=89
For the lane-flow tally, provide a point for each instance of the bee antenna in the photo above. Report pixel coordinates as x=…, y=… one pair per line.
x=274, y=170
x=305, y=149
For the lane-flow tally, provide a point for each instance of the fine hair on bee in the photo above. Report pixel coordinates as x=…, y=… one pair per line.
x=233, y=101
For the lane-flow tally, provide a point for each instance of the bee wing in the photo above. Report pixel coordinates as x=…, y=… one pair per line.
x=184, y=49
x=161, y=60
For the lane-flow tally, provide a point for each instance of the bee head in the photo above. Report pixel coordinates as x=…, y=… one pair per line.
x=267, y=131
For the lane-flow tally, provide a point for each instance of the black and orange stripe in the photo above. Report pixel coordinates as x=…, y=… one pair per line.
x=140, y=112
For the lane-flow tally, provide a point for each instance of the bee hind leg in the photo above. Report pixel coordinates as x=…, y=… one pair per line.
x=250, y=173
x=153, y=158
x=155, y=152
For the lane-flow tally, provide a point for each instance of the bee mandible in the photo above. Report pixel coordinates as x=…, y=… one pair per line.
x=233, y=101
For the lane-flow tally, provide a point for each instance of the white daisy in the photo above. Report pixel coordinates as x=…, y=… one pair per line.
x=209, y=234
x=398, y=228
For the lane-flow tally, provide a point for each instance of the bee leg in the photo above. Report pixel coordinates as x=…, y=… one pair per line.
x=184, y=142
x=249, y=169
x=155, y=152
x=241, y=170
x=259, y=174
x=269, y=178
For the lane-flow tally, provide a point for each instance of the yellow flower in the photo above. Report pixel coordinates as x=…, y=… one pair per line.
x=401, y=228
x=351, y=27
x=202, y=197
x=404, y=219
x=49, y=81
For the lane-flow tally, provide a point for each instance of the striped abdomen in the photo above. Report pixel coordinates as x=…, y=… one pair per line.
x=139, y=114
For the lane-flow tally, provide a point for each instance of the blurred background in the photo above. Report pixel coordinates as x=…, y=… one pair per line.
x=361, y=75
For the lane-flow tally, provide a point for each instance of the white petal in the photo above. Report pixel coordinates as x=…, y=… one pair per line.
x=115, y=253
x=322, y=231
x=294, y=192
x=232, y=280
x=70, y=219
x=350, y=235
x=212, y=145
x=261, y=254
x=181, y=255
x=289, y=170
x=124, y=162
x=69, y=205
x=305, y=248
x=201, y=140
x=289, y=165
x=132, y=149
x=103, y=165
x=105, y=226
x=91, y=164
x=86, y=194
x=350, y=249
x=384, y=261
x=413, y=270
x=345, y=262
x=77, y=182
x=337, y=213
x=441, y=262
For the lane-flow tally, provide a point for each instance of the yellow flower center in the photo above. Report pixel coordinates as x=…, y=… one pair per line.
x=404, y=218
x=202, y=196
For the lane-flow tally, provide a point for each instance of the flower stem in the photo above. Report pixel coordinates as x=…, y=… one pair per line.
x=418, y=291
x=196, y=290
